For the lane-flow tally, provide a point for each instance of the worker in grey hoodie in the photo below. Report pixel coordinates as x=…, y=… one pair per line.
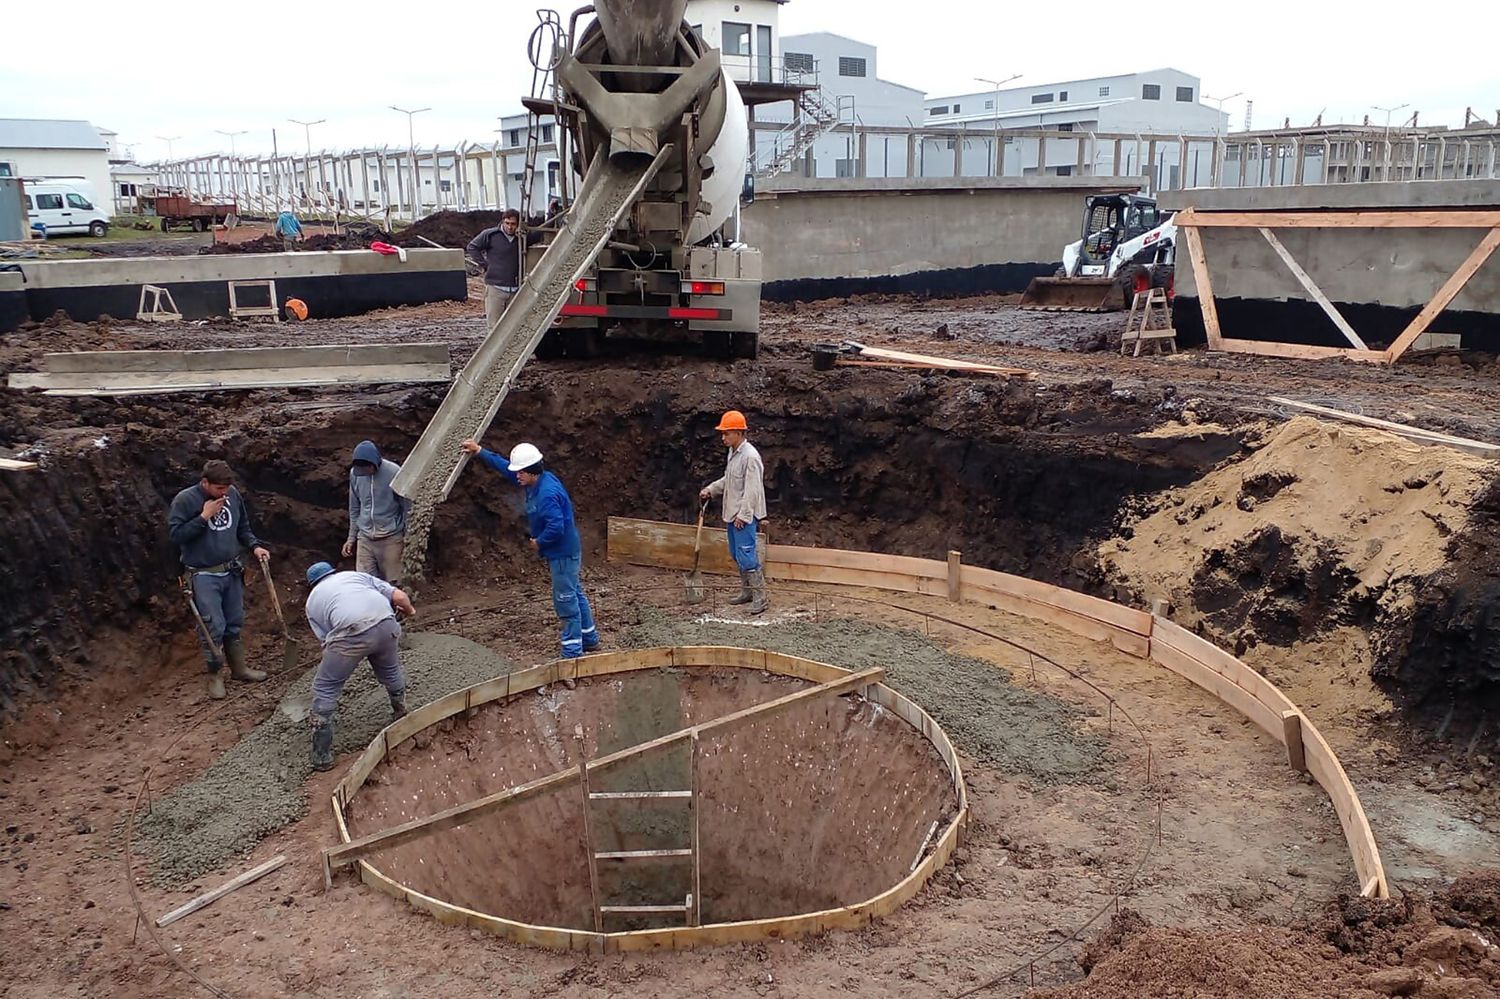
x=211, y=528
x=377, y=516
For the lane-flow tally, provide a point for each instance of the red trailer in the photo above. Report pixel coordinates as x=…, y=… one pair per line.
x=174, y=209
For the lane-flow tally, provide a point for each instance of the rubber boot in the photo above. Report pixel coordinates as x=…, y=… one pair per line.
x=213, y=684
x=234, y=651
x=322, y=740
x=745, y=595
x=398, y=704
x=758, y=591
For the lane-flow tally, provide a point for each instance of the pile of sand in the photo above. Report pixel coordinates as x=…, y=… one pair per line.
x=1323, y=524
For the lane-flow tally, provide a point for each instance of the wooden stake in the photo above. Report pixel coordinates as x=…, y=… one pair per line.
x=695, y=910
x=588, y=836
x=209, y=897
x=1291, y=725
x=1205, y=287
x=955, y=576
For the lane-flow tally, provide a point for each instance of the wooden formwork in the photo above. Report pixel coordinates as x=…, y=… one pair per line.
x=1139, y=633
x=831, y=680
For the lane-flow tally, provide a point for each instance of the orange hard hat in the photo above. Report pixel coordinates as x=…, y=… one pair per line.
x=296, y=308
x=732, y=420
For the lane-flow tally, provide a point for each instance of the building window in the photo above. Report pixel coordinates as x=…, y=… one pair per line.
x=1041, y=98
x=989, y=104
x=846, y=168
x=5, y=170
x=515, y=137
x=1066, y=126
x=1103, y=91
x=736, y=38
x=1151, y=91
x=798, y=62
x=957, y=108
x=1185, y=94
x=940, y=109
x=1065, y=171
x=546, y=133
x=850, y=66
x=375, y=186
x=1063, y=96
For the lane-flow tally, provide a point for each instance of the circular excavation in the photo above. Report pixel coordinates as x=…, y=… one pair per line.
x=659, y=798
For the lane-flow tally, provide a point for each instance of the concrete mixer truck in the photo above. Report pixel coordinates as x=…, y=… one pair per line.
x=637, y=80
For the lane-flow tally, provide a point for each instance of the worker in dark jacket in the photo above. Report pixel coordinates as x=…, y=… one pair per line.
x=554, y=536
x=377, y=515
x=211, y=528
x=498, y=252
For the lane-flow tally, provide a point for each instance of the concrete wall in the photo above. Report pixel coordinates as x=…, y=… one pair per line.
x=826, y=237
x=332, y=283
x=1379, y=278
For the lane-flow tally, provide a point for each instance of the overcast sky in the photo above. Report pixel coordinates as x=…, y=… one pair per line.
x=188, y=69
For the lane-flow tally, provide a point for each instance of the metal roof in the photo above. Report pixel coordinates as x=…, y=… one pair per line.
x=46, y=133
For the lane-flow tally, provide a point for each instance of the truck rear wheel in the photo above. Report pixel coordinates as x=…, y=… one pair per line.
x=166, y=224
x=746, y=345
x=198, y=225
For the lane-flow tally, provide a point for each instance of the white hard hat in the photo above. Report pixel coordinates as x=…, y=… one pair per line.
x=523, y=456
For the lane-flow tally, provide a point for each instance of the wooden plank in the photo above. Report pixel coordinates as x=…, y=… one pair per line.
x=845, y=559
x=1291, y=724
x=1217, y=685
x=1114, y=614
x=1445, y=295
x=1447, y=219
x=243, y=358
x=642, y=910
x=695, y=914
x=209, y=897
x=955, y=576
x=901, y=582
x=457, y=815
x=670, y=546
x=166, y=383
x=1299, y=351
x=637, y=795
x=1312, y=289
x=12, y=465
x=643, y=854
x=1130, y=642
x=1405, y=430
x=588, y=835
x=854, y=362
x=930, y=360
x=1205, y=284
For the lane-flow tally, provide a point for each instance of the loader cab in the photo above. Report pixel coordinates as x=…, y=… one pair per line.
x=1112, y=219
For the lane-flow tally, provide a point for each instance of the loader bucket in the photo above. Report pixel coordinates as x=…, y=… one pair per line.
x=1073, y=295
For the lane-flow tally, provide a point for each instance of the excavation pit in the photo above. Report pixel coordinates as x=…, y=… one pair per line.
x=729, y=795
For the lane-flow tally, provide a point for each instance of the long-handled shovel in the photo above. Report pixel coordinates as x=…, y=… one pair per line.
x=208, y=642
x=291, y=652
x=693, y=581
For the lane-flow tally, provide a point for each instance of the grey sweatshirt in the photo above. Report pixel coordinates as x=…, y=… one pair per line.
x=499, y=256
x=202, y=544
x=375, y=511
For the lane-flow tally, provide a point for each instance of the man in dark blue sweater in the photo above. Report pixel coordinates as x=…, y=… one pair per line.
x=498, y=252
x=211, y=528
x=554, y=536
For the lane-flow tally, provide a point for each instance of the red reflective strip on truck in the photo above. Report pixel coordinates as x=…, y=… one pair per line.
x=584, y=310
x=646, y=312
x=695, y=314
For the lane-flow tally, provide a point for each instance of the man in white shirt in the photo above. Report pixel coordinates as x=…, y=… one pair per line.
x=354, y=616
x=743, y=488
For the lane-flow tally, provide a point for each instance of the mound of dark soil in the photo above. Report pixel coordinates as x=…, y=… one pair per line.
x=452, y=229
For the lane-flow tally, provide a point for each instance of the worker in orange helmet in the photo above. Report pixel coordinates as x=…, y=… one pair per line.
x=744, y=499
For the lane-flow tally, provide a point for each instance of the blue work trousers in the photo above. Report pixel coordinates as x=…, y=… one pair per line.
x=578, y=632
x=220, y=600
x=742, y=546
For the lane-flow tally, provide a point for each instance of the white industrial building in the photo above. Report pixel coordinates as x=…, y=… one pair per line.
x=41, y=148
x=1164, y=105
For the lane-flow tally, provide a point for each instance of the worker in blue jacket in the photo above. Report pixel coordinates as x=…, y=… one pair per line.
x=554, y=536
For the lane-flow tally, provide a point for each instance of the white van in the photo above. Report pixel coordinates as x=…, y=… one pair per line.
x=64, y=206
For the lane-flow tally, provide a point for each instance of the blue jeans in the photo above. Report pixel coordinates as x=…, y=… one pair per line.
x=578, y=632
x=221, y=602
x=742, y=546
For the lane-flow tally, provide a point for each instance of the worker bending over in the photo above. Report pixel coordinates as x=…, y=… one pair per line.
x=744, y=501
x=353, y=614
x=554, y=536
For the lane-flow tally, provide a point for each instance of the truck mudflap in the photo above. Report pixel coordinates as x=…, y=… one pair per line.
x=1057, y=294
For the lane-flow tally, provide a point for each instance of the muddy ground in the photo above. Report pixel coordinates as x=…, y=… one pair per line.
x=99, y=674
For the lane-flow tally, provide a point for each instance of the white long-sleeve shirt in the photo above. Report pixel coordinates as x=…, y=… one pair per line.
x=347, y=603
x=742, y=485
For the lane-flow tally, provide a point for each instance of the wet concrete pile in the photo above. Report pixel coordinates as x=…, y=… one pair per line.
x=1443, y=947
x=259, y=785
x=1022, y=731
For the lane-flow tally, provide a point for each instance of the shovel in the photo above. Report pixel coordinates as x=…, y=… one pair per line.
x=693, y=581
x=208, y=643
x=291, y=652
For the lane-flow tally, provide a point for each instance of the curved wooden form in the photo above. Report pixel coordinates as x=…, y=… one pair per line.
x=1136, y=632
x=675, y=937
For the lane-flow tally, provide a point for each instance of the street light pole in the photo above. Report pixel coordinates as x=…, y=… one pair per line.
x=307, y=160
x=1388, y=112
x=411, y=152
x=168, y=139
x=995, y=142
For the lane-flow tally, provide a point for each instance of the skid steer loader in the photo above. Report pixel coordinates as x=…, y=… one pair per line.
x=1127, y=246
